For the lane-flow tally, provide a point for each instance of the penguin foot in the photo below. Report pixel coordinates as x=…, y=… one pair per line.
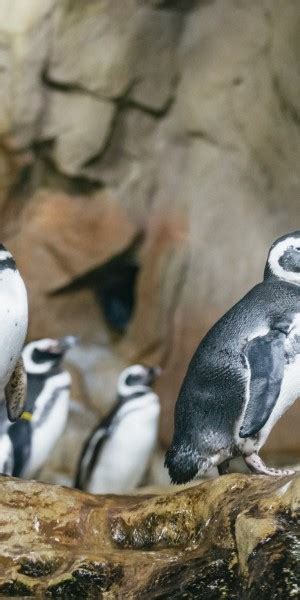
x=223, y=468
x=257, y=465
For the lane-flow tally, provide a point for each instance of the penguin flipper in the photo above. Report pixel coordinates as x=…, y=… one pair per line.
x=89, y=455
x=15, y=391
x=265, y=356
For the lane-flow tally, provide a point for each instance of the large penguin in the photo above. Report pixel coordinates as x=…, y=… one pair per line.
x=244, y=374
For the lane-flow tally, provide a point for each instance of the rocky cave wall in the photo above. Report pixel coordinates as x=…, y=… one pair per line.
x=159, y=135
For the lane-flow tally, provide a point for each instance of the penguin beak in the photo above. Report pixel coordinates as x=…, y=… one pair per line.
x=65, y=343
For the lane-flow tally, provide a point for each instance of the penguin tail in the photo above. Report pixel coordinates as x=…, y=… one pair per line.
x=183, y=463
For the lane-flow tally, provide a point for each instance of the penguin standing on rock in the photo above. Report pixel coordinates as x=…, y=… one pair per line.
x=13, y=329
x=26, y=444
x=117, y=453
x=244, y=375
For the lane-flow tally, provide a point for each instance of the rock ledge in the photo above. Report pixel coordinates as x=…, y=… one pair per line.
x=233, y=537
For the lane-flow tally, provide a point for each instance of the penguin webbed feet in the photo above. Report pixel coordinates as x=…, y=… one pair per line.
x=257, y=465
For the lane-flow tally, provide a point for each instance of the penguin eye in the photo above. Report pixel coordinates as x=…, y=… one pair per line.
x=40, y=356
x=133, y=379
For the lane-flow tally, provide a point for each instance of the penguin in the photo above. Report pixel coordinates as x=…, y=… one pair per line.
x=26, y=444
x=14, y=321
x=243, y=376
x=117, y=453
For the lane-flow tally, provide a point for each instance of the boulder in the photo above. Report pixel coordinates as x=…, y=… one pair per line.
x=232, y=537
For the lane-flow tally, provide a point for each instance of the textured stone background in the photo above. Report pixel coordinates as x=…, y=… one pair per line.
x=163, y=131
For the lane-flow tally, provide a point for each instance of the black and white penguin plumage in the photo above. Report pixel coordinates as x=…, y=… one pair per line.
x=244, y=374
x=13, y=329
x=26, y=444
x=117, y=453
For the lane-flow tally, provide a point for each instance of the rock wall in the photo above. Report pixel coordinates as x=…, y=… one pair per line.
x=166, y=132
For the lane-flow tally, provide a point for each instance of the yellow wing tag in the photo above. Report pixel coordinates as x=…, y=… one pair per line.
x=27, y=416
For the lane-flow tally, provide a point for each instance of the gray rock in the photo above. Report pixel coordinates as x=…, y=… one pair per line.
x=155, y=67
x=24, y=45
x=79, y=126
x=93, y=45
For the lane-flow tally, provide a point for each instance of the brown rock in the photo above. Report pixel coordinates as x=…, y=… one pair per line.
x=235, y=536
x=59, y=239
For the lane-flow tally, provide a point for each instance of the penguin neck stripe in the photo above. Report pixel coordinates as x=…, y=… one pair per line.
x=8, y=263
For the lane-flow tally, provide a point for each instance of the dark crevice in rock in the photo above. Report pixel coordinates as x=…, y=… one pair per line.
x=22, y=185
x=70, y=88
x=43, y=173
x=114, y=285
x=97, y=157
x=121, y=104
x=124, y=104
x=274, y=567
x=47, y=175
x=177, y=5
x=116, y=294
x=87, y=581
x=156, y=113
x=15, y=589
x=197, y=578
x=38, y=568
x=206, y=137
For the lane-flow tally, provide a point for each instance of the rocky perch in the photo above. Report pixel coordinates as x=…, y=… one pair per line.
x=237, y=536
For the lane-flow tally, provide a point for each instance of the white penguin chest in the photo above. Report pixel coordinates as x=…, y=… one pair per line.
x=126, y=454
x=13, y=321
x=290, y=385
x=289, y=392
x=289, y=389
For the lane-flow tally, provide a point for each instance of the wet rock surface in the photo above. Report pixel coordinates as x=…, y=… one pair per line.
x=233, y=537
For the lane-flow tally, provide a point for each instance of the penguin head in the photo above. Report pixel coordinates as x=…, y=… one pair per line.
x=137, y=379
x=6, y=259
x=43, y=357
x=284, y=258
